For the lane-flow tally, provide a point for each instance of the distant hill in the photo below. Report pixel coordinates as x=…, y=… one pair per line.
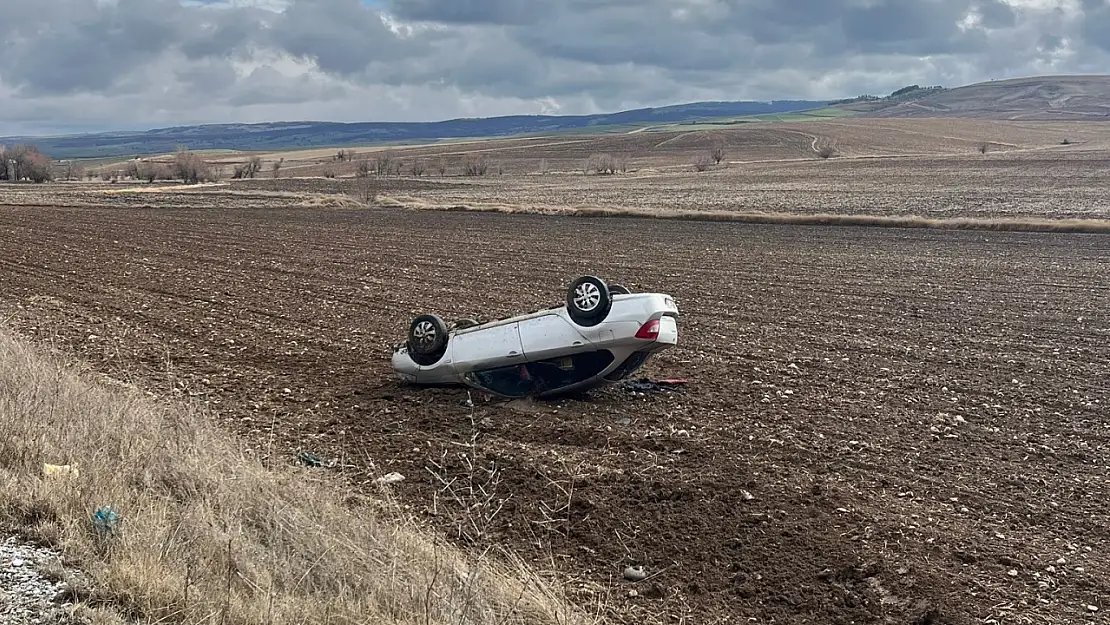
x=307, y=134
x=1055, y=98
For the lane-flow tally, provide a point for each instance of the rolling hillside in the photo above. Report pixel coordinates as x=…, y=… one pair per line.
x=307, y=134
x=1043, y=98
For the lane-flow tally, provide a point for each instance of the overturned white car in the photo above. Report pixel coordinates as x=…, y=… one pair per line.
x=600, y=336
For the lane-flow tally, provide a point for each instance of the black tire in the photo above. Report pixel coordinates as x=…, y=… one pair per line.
x=427, y=341
x=588, y=300
x=466, y=323
x=619, y=289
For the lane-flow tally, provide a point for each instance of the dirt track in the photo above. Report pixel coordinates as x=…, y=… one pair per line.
x=919, y=417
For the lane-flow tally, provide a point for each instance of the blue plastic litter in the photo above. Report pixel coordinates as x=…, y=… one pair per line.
x=106, y=521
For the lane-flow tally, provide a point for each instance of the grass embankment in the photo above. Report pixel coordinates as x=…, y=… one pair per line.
x=209, y=535
x=1001, y=224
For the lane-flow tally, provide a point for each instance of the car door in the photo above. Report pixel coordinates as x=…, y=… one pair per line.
x=549, y=336
x=487, y=348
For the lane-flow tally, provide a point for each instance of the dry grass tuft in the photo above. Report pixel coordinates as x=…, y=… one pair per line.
x=208, y=534
x=331, y=201
x=820, y=219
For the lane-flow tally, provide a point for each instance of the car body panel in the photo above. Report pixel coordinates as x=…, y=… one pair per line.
x=545, y=352
x=492, y=346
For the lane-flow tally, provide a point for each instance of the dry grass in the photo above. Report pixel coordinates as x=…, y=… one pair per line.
x=209, y=535
x=817, y=219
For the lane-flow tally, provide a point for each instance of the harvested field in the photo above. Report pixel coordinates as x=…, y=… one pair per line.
x=929, y=169
x=882, y=425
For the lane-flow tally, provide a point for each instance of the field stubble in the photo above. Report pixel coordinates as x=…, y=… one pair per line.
x=881, y=426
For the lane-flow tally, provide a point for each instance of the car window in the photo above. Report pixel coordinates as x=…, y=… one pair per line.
x=543, y=375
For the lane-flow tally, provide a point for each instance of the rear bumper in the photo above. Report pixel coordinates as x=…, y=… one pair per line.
x=668, y=330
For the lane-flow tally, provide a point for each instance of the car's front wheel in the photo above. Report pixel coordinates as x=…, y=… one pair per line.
x=588, y=300
x=427, y=339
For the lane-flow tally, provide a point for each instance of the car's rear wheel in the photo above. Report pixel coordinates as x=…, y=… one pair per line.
x=588, y=300
x=427, y=340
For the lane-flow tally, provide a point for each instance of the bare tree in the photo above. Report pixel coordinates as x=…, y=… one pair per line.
x=366, y=188
x=717, y=153
x=602, y=164
x=275, y=167
x=441, y=166
x=418, y=167
x=145, y=170
x=73, y=171
x=190, y=167
x=363, y=169
x=383, y=163
x=475, y=165
x=25, y=162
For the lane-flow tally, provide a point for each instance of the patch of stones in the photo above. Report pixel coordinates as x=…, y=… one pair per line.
x=33, y=585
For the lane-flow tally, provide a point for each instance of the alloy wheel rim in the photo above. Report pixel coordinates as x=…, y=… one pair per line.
x=424, y=333
x=587, y=296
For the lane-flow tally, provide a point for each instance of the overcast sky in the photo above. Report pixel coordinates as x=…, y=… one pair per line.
x=76, y=65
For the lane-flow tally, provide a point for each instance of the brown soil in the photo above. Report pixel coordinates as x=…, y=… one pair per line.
x=882, y=426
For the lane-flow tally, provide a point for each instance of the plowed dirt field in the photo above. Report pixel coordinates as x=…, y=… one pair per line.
x=881, y=426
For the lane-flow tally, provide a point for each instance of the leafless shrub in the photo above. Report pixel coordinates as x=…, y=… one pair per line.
x=717, y=153
x=190, y=168
x=366, y=189
x=703, y=162
x=441, y=166
x=248, y=169
x=1065, y=142
x=275, y=167
x=363, y=168
x=602, y=164
x=827, y=151
x=983, y=147
x=73, y=171
x=345, y=155
x=383, y=163
x=418, y=167
x=475, y=165
x=150, y=171
x=329, y=173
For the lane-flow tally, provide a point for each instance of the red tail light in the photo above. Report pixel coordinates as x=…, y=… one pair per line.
x=649, y=330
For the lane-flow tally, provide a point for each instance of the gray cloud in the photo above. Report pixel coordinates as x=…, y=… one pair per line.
x=470, y=11
x=139, y=63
